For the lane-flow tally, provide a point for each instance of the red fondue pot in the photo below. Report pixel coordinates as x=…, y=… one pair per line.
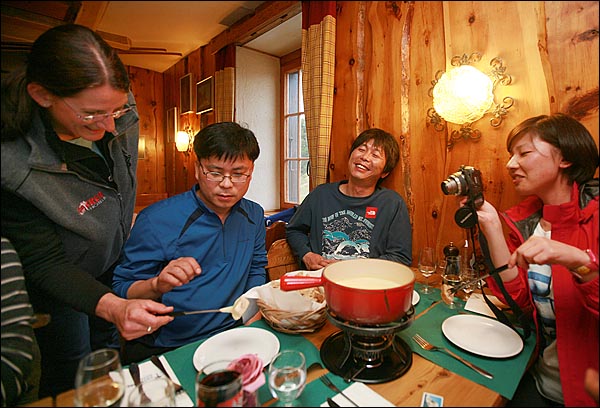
x=363, y=291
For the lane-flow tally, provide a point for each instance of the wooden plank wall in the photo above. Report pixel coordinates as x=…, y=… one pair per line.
x=387, y=54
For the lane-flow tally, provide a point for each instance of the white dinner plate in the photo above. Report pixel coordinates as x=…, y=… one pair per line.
x=231, y=344
x=415, y=298
x=482, y=335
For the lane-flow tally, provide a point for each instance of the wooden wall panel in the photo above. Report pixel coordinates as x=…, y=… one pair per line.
x=572, y=43
x=387, y=53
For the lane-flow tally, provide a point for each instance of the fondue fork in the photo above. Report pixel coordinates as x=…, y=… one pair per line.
x=325, y=380
x=425, y=345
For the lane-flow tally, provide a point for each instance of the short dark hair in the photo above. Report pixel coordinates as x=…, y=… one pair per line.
x=383, y=140
x=227, y=141
x=568, y=135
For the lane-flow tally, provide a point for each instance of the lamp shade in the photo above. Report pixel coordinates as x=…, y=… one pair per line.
x=182, y=141
x=463, y=95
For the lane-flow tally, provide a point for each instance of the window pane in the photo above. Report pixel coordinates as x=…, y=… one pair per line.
x=300, y=93
x=293, y=92
x=292, y=181
x=304, y=181
x=292, y=138
x=303, y=138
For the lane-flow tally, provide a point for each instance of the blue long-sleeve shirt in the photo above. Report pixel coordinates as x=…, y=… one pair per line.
x=232, y=257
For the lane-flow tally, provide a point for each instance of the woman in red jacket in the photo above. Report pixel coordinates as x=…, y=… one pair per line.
x=552, y=253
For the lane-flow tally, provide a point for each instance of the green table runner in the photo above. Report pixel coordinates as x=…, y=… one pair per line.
x=507, y=372
x=183, y=366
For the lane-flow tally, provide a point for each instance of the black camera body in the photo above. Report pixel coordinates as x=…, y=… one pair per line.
x=466, y=182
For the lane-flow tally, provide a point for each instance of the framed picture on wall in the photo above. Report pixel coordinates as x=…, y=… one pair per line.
x=171, y=124
x=205, y=95
x=185, y=94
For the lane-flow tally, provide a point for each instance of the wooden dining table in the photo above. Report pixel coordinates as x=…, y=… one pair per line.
x=407, y=390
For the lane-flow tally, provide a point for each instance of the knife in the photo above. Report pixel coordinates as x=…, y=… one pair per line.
x=472, y=281
x=156, y=361
x=134, y=370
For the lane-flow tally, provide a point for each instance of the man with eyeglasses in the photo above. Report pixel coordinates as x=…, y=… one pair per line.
x=201, y=249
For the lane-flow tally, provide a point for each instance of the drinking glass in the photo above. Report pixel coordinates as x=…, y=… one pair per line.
x=157, y=392
x=468, y=274
x=219, y=386
x=427, y=266
x=287, y=376
x=99, y=380
x=451, y=279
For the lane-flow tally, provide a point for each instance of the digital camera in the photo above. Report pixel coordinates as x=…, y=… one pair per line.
x=466, y=182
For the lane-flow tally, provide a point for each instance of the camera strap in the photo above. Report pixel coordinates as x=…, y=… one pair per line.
x=523, y=319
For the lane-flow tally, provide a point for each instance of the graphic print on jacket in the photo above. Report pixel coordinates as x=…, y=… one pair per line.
x=346, y=235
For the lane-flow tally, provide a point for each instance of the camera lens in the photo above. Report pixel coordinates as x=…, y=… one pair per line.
x=454, y=185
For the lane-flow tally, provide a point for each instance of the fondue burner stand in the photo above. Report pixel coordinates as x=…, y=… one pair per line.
x=367, y=353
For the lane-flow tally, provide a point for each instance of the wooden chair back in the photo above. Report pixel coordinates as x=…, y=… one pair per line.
x=280, y=259
x=275, y=231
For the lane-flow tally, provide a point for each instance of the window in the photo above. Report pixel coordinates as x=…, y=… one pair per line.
x=295, y=180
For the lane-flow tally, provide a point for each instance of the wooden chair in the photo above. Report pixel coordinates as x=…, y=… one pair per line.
x=275, y=231
x=280, y=259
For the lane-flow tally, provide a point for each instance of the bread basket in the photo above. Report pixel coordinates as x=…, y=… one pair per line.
x=294, y=322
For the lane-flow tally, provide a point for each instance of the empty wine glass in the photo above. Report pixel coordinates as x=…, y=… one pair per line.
x=99, y=380
x=427, y=266
x=156, y=392
x=468, y=274
x=287, y=376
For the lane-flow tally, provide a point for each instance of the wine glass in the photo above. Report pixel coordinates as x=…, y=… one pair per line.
x=427, y=266
x=468, y=274
x=99, y=380
x=450, y=280
x=287, y=376
x=157, y=392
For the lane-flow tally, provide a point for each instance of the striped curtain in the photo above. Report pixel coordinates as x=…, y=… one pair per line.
x=225, y=84
x=318, y=65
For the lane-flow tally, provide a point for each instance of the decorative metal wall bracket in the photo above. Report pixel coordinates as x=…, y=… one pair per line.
x=498, y=111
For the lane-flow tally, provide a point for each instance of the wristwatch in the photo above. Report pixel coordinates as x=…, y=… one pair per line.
x=592, y=266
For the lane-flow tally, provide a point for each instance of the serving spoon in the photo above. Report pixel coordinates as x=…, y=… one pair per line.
x=237, y=309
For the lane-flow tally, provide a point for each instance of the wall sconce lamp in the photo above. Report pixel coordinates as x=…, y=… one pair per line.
x=464, y=94
x=184, y=140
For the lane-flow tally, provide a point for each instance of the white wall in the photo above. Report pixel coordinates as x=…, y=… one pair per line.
x=257, y=106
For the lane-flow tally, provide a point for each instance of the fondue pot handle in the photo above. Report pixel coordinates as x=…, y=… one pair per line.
x=292, y=282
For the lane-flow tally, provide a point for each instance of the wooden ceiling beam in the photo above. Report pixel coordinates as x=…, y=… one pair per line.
x=266, y=17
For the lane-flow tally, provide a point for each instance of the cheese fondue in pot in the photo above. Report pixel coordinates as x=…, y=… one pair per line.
x=367, y=282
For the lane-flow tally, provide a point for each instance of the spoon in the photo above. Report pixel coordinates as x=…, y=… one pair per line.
x=237, y=309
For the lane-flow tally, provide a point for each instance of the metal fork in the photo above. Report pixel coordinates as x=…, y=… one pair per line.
x=428, y=346
x=325, y=380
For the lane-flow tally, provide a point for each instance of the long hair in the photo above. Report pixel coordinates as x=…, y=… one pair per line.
x=568, y=135
x=65, y=60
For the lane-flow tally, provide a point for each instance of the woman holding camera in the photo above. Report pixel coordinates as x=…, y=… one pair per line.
x=552, y=253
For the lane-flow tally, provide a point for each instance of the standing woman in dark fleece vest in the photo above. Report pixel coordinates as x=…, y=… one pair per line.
x=69, y=156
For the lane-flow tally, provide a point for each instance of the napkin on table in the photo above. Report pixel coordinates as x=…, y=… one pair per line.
x=291, y=301
x=149, y=371
x=477, y=304
x=362, y=395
